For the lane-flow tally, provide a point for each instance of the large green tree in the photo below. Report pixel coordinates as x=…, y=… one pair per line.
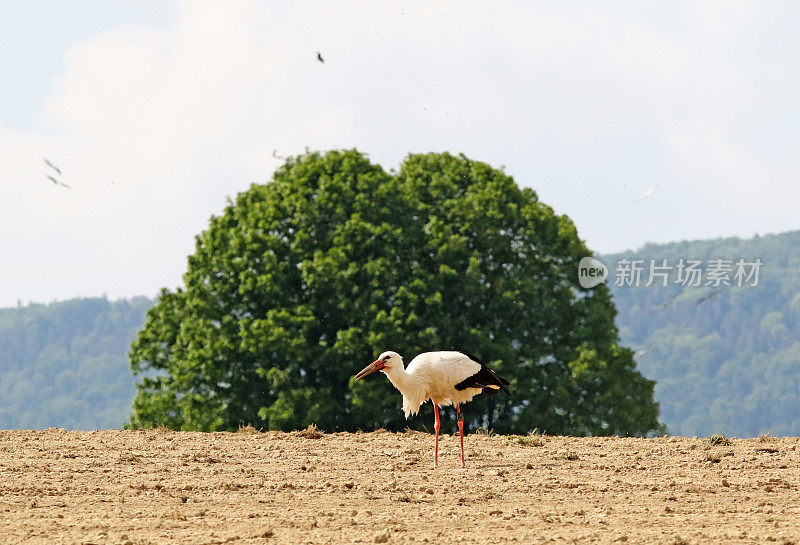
x=303, y=280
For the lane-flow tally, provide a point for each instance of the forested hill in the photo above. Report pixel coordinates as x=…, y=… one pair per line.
x=65, y=364
x=724, y=358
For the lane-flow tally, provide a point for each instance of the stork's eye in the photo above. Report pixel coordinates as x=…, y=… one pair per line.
x=386, y=358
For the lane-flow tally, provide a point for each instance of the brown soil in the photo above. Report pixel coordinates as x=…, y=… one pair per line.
x=127, y=487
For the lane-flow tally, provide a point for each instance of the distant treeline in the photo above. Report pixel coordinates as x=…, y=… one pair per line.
x=725, y=358
x=65, y=364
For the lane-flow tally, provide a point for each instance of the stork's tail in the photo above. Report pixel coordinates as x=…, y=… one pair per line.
x=487, y=379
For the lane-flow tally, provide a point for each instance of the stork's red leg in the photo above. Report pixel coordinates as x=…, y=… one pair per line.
x=436, y=425
x=461, y=432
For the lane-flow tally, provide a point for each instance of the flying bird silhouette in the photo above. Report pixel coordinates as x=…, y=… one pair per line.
x=57, y=182
x=707, y=297
x=647, y=194
x=319, y=57
x=51, y=165
x=668, y=301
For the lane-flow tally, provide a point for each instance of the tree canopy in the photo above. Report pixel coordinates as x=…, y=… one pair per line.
x=302, y=280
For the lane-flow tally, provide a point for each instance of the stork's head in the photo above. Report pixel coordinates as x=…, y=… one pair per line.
x=386, y=362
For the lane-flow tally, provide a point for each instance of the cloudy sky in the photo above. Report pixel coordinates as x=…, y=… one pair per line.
x=157, y=111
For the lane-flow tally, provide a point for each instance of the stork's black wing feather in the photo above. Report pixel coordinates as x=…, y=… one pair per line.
x=485, y=378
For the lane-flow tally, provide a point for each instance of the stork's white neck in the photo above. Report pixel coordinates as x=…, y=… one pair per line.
x=410, y=386
x=398, y=376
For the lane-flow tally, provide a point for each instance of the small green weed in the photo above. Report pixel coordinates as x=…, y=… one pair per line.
x=719, y=439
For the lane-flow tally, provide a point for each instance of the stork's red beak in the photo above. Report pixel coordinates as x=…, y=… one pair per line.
x=376, y=365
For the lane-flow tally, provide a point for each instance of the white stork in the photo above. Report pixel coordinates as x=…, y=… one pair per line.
x=446, y=378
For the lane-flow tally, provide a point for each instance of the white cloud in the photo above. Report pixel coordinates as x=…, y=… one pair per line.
x=589, y=105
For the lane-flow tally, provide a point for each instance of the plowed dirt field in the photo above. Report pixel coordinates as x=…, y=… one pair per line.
x=147, y=487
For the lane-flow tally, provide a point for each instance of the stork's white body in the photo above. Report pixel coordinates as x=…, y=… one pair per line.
x=446, y=378
x=434, y=375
